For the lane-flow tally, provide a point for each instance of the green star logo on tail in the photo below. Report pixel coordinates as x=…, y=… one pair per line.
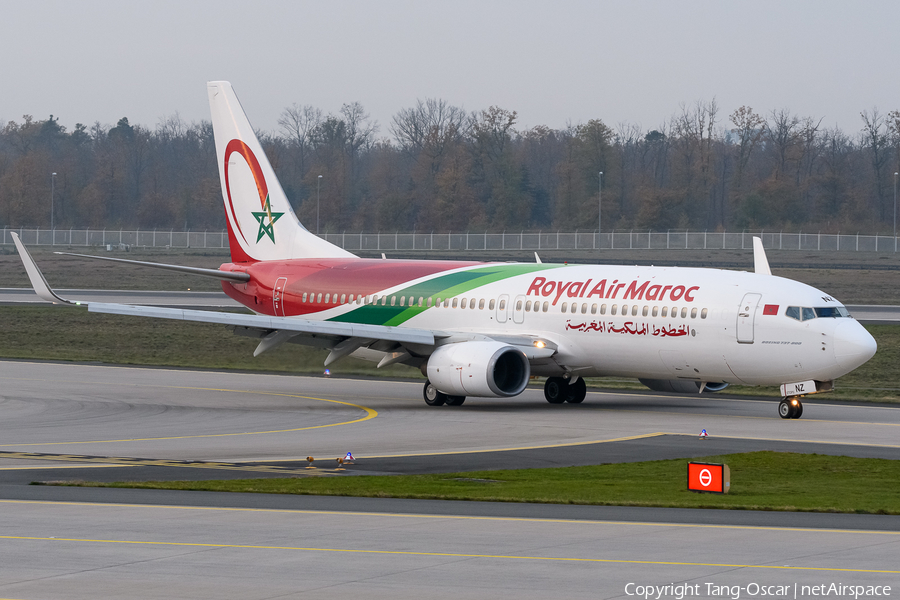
x=266, y=220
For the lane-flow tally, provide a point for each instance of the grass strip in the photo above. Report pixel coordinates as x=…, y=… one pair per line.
x=70, y=334
x=765, y=480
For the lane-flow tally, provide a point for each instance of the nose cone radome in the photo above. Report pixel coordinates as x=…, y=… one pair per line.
x=853, y=345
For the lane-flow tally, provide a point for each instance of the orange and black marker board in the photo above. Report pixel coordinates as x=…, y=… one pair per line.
x=708, y=477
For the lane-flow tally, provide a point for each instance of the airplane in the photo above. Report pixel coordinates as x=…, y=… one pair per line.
x=485, y=329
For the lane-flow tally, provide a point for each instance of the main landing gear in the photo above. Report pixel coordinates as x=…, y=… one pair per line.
x=558, y=390
x=790, y=408
x=435, y=398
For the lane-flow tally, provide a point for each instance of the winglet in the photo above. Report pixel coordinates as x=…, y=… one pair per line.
x=40, y=285
x=537, y=258
x=760, y=262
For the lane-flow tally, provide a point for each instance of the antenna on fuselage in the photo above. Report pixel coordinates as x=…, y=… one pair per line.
x=760, y=262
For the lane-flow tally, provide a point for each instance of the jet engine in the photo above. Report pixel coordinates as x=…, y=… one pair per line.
x=681, y=386
x=486, y=369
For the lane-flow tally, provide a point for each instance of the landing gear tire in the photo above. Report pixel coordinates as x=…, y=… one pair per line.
x=455, y=400
x=576, y=392
x=784, y=409
x=555, y=390
x=432, y=396
x=790, y=408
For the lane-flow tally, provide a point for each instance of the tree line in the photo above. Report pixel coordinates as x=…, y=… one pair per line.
x=438, y=167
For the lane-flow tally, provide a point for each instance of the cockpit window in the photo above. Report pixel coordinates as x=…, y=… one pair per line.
x=804, y=313
x=832, y=311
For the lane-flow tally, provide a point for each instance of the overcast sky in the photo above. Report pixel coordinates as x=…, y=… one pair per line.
x=553, y=62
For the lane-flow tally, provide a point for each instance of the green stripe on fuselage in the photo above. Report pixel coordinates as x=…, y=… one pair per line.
x=443, y=286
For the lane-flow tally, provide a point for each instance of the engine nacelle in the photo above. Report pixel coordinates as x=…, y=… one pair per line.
x=681, y=386
x=486, y=369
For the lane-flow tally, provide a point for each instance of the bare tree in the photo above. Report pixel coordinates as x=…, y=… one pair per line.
x=875, y=138
x=431, y=122
x=784, y=135
x=298, y=123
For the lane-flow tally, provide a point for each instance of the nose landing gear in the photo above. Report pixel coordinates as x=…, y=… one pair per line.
x=790, y=408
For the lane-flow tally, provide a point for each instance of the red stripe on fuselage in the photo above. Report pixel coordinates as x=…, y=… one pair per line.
x=357, y=276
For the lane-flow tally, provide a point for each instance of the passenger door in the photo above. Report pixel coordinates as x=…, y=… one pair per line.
x=746, y=317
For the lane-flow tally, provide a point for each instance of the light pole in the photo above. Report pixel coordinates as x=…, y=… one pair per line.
x=52, y=228
x=599, y=206
x=318, y=187
x=895, y=211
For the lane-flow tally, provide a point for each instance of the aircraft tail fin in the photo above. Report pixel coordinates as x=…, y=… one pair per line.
x=261, y=222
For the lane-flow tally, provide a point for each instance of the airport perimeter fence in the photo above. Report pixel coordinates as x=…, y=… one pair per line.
x=463, y=241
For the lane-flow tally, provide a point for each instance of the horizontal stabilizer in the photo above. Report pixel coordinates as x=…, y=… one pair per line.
x=233, y=276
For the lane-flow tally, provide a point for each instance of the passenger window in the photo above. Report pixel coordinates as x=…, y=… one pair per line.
x=593, y=309
x=428, y=303
x=674, y=312
x=693, y=313
x=565, y=307
x=518, y=305
x=583, y=308
x=481, y=304
x=655, y=311
x=634, y=309
x=384, y=301
x=613, y=310
x=602, y=309
x=703, y=313
x=645, y=311
x=528, y=306
x=503, y=305
x=343, y=298
x=808, y=314
x=491, y=304
x=304, y=296
x=574, y=307
x=438, y=302
x=402, y=300
x=665, y=310
x=455, y=302
x=327, y=298
x=393, y=300
x=624, y=310
x=421, y=300
x=320, y=298
x=684, y=313
x=546, y=306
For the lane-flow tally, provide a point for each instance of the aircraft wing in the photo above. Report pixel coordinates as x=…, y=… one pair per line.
x=263, y=322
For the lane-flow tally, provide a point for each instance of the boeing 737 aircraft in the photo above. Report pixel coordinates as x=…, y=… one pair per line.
x=483, y=329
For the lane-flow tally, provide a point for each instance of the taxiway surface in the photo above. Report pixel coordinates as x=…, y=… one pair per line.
x=64, y=421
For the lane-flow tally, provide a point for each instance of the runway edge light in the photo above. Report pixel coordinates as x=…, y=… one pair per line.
x=712, y=478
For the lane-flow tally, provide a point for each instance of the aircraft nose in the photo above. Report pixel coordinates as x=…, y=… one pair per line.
x=853, y=345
